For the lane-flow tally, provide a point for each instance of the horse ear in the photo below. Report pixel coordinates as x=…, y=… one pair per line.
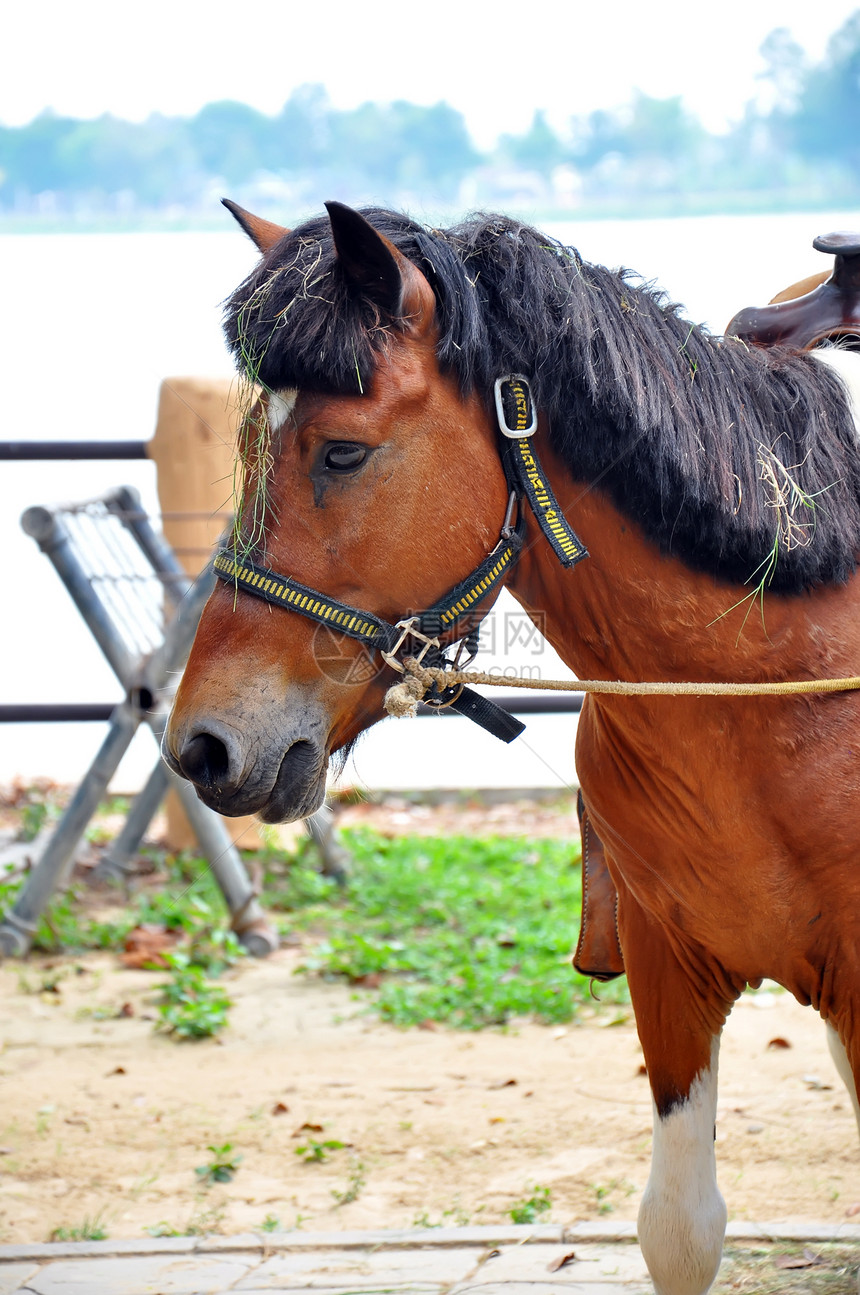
x=264, y=233
x=376, y=269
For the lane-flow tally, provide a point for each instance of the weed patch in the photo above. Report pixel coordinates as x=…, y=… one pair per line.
x=92, y=1229
x=192, y=1006
x=820, y=1269
x=531, y=1207
x=314, y=1152
x=221, y=1167
x=469, y=931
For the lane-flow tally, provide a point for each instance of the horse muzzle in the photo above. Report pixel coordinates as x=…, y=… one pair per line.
x=278, y=777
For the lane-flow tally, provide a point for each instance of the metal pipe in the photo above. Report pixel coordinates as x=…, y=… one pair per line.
x=52, y=538
x=57, y=712
x=124, y=502
x=85, y=712
x=247, y=918
x=19, y=924
x=27, y=451
x=115, y=863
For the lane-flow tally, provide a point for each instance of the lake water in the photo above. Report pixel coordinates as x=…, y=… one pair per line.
x=91, y=325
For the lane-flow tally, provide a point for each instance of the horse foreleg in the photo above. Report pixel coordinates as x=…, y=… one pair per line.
x=682, y=1218
x=843, y=1065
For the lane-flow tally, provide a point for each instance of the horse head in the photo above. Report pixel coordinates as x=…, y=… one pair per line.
x=354, y=456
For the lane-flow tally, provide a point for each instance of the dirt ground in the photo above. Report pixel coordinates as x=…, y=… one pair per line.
x=104, y=1121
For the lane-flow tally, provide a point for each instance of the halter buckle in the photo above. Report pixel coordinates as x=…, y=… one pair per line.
x=408, y=630
x=526, y=410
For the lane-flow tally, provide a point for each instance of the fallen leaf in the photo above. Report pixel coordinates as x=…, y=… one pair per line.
x=145, y=945
x=306, y=1128
x=497, y=1119
x=427, y=1025
x=560, y=1262
x=778, y=1042
x=126, y=1010
x=117, y=1070
x=852, y=1210
x=503, y=1083
x=806, y=1260
x=280, y=1108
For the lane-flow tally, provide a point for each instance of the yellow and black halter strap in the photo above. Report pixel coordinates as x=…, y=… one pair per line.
x=441, y=618
x=517, y=422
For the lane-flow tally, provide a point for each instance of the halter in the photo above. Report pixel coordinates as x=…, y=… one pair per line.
x=419, y=636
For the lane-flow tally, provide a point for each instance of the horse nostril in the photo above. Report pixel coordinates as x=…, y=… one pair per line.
x=205, y=760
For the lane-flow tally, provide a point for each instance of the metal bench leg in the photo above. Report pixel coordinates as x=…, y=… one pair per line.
x=116, y=863
x=19, y=925
x=247, y=917
x=335, y=859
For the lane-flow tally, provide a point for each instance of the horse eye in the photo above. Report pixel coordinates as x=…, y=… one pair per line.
x=344, y=456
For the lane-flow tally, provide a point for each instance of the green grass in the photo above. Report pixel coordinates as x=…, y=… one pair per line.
x=192, y=1006
x=531, y=1207
x=221, y=1167
x=466, y=930
x=92, y=1229
x=756, y=1269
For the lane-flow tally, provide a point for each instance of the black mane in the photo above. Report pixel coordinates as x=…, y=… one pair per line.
x=743, y=463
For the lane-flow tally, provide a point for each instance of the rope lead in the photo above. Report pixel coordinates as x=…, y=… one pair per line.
x=403, y=697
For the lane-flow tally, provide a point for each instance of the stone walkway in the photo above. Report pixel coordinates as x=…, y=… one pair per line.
x=588, y=1259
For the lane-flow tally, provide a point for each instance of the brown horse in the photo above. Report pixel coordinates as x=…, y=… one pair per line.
x=716, y=488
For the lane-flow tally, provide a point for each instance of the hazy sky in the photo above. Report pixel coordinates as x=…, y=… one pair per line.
x=495, y=60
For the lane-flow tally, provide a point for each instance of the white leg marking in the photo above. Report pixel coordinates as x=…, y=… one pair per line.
x=682, y=1218
x=279, y=407
x=843, y=1065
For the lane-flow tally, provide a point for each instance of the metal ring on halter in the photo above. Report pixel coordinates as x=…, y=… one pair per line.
x=443, y=705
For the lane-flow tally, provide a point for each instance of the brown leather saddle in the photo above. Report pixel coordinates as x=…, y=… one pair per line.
x=823, y=308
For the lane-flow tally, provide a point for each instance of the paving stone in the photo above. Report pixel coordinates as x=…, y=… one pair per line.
x=45, y=1251
x=244, y=1243
x=550, y=1288
x=12, y=1276
x=429, y=1270
x=800, y=1231
x=389, y=1238
x=592, y=1264
x=143, y=1275
x=600, y=1230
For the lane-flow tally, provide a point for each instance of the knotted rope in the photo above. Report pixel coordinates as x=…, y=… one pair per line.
x=402, y=698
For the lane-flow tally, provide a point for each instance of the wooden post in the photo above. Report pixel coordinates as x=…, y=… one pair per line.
x=193, y=454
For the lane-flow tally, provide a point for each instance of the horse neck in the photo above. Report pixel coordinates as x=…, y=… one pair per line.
x=631, y=612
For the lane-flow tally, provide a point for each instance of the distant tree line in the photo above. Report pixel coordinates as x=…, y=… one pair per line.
x=799, y=141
